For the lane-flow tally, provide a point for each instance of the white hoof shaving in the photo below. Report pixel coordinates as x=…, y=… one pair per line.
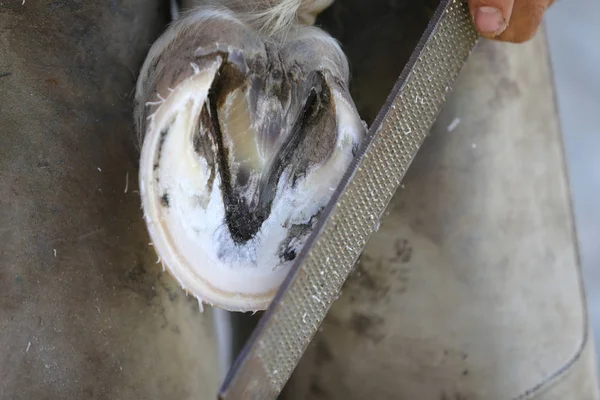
x=240, y=150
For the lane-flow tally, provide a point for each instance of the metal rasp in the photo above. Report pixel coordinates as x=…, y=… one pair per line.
x=353, y=214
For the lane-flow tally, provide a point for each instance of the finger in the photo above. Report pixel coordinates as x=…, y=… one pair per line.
x=491, y=17
x=526, y=19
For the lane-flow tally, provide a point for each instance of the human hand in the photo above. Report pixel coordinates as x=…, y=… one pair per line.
x=514, y=21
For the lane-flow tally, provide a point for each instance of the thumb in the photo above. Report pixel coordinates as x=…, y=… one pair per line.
x=491, y=16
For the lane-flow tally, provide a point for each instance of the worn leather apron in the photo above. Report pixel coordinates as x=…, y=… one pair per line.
x=85, y=310
x=472, y=287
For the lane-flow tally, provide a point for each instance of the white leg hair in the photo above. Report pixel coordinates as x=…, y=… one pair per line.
x=271, y=16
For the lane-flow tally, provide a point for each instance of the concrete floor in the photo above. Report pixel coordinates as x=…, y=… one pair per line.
x=573, y=31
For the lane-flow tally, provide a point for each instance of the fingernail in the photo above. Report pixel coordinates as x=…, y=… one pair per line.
x=490, y=20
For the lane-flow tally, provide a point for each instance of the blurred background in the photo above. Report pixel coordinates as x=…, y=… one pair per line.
x=574, y=31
